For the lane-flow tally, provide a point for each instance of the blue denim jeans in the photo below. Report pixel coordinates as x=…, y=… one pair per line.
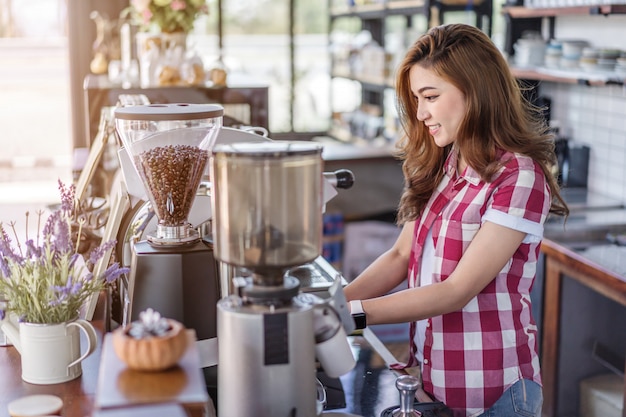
x=524, y=398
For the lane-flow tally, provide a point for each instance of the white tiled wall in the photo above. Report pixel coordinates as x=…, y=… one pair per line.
x=595, y=116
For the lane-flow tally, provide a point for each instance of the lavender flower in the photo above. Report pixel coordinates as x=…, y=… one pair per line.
x=51, y=282
x=6, y=250
x=4, y=268
x=32, y=251
x=114, y=272
x=66, y=291
x=68, y=194
x=99, y=252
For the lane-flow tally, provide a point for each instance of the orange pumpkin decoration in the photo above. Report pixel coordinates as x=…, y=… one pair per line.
x=151, y=353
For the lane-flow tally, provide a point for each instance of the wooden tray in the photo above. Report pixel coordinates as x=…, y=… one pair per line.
x=120, y=387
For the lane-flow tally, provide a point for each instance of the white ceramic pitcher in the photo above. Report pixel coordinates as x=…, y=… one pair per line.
x=51, y=352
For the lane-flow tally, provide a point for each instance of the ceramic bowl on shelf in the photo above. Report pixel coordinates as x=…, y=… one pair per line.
x=606, y=64
x=529, y=52
x=573, y=48
x=608, y=53
x=568, y=63
x=552, y=61
x=589, y=67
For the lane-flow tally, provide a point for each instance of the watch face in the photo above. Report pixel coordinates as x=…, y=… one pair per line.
x=359, y=320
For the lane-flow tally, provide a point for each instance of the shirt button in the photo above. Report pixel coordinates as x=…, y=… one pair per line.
x=425, y=361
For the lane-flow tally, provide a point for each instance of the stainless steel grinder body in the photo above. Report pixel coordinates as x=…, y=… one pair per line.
x=267, y=207
x=266, y=360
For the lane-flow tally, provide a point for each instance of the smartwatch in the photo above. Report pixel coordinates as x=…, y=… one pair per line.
x=358, y=315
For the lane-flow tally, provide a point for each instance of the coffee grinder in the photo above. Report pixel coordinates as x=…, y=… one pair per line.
x=267, y=220
x=173, y=270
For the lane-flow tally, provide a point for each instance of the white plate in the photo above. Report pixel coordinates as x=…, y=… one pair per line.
x=35, y=405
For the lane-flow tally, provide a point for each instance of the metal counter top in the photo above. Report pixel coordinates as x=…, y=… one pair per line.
x=579, y=198
x=370, y=388
x=609, y=256
x=592, y=216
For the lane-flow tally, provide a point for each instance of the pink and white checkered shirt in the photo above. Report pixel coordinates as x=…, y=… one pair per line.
x=473, y=355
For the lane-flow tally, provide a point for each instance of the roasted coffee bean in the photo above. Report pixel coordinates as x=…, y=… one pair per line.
x=172, y=174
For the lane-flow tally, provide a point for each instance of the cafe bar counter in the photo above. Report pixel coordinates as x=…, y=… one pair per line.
x=366, y=391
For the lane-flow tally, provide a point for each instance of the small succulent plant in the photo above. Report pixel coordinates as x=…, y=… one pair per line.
x=150, y=324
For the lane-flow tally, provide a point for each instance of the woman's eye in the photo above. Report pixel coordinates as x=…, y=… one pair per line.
x=430, y=98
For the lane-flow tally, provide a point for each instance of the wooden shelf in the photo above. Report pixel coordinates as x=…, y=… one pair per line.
x=519, y=12
x=371, y=11
x=370, y=82
x=568, y=77
x=375, y=11
x=405, y=7
x=374, y=19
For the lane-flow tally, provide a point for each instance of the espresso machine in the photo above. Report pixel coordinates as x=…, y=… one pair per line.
x=173, y=269
x=267, y=204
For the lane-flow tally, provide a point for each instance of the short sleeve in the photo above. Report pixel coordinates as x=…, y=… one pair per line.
x=521, y=198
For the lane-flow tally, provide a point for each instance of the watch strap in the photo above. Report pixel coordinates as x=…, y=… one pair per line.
x=358, y=315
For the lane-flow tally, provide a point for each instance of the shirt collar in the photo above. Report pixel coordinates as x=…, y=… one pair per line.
x=468, y=175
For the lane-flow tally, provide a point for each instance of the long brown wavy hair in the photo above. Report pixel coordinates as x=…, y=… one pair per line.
x=498, y=116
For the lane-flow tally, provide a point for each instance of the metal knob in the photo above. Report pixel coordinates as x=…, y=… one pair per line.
x=407, y=387
x=342, y=178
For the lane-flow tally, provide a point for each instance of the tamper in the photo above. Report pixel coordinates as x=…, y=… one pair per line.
x=407, y=387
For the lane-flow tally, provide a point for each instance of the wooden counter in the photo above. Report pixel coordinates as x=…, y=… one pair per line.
x=563, y=262
x=81, y=396
x=77, y=395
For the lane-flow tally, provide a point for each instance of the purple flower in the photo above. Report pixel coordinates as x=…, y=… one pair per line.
x=32, y=251
x=62, y=241
x=65, y=275
x=6, y=250
x=99, y=252
x=57, y=232
x=88, y=277
x=113, y=272
x=64, y=292
x=4, y=267
x=67, y=196
x=73, y=260
x=2, y=314
x=49, y=227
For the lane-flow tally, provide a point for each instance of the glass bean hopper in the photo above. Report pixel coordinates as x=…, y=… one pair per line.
x=169, y=145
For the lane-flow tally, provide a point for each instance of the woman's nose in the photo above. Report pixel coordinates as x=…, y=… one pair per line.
x=422, y=113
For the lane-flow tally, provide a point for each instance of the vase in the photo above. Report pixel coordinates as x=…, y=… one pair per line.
x=172, y=40
x=159, y=51
x=148, y=54
x=51, y=353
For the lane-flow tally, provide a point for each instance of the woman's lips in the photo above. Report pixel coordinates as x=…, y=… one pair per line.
x=433, y=129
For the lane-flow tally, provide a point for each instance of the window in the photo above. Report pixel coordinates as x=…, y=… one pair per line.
x=279, y=43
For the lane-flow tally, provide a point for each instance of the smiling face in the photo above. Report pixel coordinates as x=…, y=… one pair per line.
x=441, y=106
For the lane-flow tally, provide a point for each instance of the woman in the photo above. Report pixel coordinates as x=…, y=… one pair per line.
x=477, y=162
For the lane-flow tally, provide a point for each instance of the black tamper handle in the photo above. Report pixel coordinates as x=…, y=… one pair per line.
x=342, y=178
x=407, y=386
